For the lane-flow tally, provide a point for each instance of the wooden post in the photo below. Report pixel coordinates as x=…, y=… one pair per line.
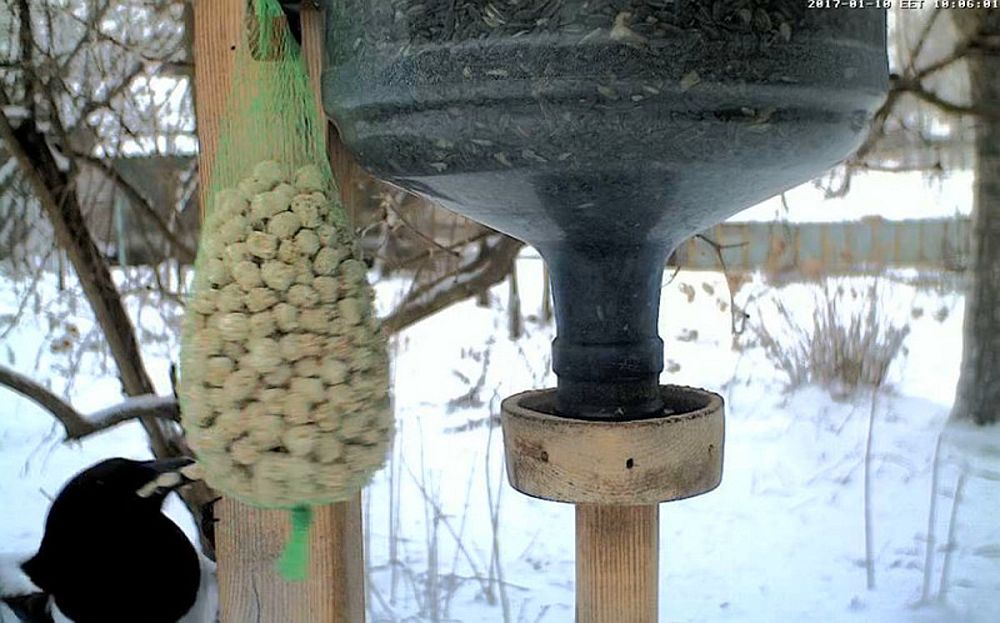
x=217, y=27
x=616, y=472
x=249, y=540
x=617, y=563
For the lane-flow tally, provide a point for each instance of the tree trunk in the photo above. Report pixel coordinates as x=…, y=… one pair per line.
x=978, y=394
x=59, y=203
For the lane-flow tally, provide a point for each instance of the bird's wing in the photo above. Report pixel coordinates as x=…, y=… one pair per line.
x=31, y=608
x=206, y=605
x=204, y=610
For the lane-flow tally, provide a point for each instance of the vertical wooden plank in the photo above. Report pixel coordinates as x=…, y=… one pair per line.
x=347, y=171
x=248, y=543
x=617, y=563
x=313, y=35
x=216, y=35
x=345, y=539
x=249, y=540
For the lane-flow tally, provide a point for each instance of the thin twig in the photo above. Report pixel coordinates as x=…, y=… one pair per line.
x=496, y=559
x=447, y=524
x=960, y=52
x=452, y=248
x=485, y=271
x=735, y=312
x=924, y=36
x=951, y=545
x=673, y=276
x=925, y=593
x=433, y=244
x=869, y=528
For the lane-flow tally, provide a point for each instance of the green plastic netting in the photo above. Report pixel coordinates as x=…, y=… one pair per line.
x=284, y=388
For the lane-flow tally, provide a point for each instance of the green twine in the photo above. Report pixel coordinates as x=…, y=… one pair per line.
x=294, y=561
x=269, y=40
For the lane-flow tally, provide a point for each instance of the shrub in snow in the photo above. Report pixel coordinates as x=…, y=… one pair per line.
x=843, y=342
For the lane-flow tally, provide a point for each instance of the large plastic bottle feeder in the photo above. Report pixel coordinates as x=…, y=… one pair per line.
x=604, y=134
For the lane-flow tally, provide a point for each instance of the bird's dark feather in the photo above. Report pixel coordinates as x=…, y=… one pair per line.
x=110, y=556
x=30, y=608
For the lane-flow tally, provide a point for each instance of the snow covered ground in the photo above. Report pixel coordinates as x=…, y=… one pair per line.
x=782, y=539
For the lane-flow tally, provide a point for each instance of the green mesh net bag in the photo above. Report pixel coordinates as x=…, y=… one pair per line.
x=284, y=389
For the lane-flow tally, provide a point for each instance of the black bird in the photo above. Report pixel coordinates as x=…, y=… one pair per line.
x=30, y=608
x=110, y=555
x=293, y=15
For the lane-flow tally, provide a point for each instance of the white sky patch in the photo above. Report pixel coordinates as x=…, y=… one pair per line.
x=892, y=196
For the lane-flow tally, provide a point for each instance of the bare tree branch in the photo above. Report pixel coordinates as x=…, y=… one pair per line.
x=27, y=45
x=960, y=52
x=138, y=407
x=434, y=245
x=915, y=88
x=427, y=254
x=912, y=81
x=924, y=36
x=77, y=425
x=69, y=417
x=89, y=79
x=59, y=203
x=125, y=81
x=487, y=270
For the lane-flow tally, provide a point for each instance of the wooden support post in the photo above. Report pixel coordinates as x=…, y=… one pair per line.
x=217, y=27
x=249, y=540
x=616, y=472
x=617, y=563
x=348, y=173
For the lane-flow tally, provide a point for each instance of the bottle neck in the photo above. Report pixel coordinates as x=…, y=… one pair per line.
x=607, y=354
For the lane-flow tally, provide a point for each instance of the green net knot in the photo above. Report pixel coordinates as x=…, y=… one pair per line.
x=294, y=561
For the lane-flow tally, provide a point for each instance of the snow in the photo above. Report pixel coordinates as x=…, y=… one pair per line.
x=782, y=539
x=127, y=407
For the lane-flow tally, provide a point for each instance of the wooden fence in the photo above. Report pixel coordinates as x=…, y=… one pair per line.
x=814, y=249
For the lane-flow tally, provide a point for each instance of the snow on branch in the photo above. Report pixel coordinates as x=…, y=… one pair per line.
x=78, y=425
x=161, y=407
